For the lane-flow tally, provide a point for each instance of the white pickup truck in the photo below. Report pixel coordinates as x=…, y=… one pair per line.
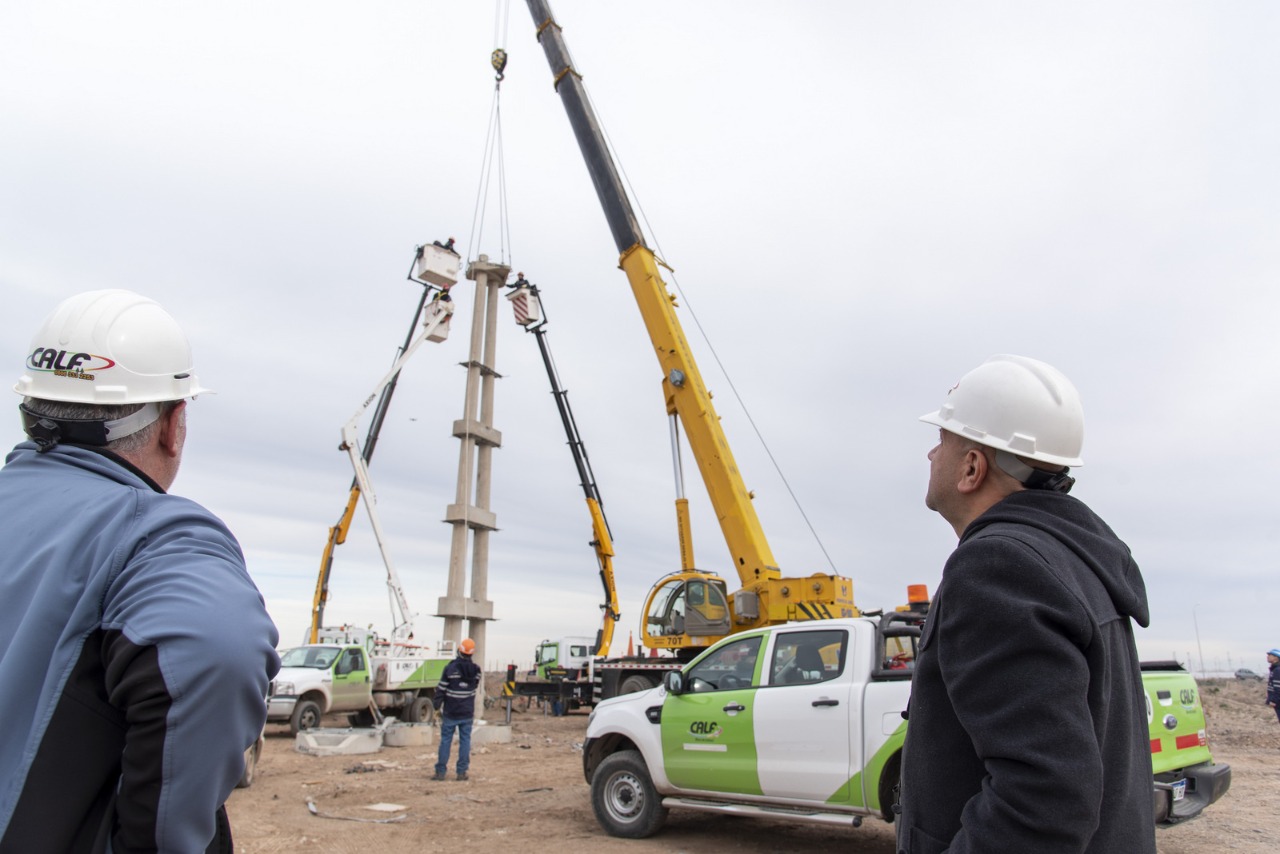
x=804, y=721
x=353, y=674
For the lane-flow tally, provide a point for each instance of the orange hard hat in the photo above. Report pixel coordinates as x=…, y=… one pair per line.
x=467, y=646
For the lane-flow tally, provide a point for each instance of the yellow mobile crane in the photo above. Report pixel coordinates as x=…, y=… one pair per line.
x=689, y=609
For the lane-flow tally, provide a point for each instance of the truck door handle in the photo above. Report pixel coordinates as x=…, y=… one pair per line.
x=735, y=707
x=826, y=702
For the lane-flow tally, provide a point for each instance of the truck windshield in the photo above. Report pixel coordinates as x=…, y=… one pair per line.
x=319, y=657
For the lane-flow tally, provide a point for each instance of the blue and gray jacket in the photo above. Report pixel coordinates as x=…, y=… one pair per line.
x=135, y=651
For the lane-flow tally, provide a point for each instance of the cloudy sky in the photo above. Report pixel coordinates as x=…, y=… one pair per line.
x=861, y=202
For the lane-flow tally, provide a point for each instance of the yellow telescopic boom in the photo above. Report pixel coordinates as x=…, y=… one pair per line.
x=688, y=609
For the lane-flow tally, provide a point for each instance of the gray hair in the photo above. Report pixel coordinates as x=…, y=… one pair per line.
x=103, y=412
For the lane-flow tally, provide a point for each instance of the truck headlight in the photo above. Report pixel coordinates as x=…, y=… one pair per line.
x=283, y=689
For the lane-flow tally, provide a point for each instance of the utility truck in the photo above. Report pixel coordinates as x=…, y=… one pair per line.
x=804, y=722
x=353, y=670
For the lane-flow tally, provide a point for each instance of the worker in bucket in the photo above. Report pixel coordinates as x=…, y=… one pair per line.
x=455, y=698
x=136, y=648
x=1027, y=720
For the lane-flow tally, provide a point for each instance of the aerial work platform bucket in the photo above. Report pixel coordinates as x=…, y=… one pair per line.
x=527, y=306
x=441, y=305
x=437, y=264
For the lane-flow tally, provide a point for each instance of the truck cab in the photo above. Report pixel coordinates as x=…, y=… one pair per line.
x=316, y=679
x=563, y=658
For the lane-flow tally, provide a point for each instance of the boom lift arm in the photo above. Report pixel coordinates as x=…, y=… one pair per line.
x=338, y=533
x=438, y=313
x=531, y=314
x=425, y=263
x=688, y=609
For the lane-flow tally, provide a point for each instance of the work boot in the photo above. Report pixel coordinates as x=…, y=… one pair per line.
x=462, y=775
x=439, y=775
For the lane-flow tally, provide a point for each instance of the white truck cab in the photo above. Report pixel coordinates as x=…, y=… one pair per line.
x=316, y=679
x=355, y=671
x=564, y=657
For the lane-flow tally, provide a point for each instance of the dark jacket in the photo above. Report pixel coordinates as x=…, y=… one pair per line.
x=1273, y=684
x=456, y=692
x=1028, y=722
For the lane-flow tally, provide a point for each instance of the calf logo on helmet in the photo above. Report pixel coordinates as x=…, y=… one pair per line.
x=63, y=363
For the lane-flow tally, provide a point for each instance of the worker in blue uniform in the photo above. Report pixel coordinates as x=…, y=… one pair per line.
x=455, y=698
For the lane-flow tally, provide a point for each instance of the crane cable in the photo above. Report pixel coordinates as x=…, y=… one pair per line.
x=706, y=338
x=493, y=152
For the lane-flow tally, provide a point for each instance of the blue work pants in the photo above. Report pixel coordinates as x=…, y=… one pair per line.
x=447, y=726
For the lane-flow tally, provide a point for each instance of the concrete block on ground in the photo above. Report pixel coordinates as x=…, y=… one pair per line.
x=409, y=735
x=346, y=741
x=491, y=734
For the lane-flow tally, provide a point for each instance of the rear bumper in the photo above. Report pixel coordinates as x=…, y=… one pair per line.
x=1204, y=785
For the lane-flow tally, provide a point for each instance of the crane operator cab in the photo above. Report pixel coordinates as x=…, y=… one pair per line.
x=686, y=609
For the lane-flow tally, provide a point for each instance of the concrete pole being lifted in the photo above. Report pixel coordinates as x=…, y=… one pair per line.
x=476, y=432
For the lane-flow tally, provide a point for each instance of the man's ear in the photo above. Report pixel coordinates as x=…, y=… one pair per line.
x=170, y=434
x=973, y=471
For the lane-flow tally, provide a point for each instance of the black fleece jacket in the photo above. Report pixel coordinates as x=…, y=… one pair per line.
x=1028, y=723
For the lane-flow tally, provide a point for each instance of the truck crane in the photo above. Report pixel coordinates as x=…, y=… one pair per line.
x=689, y=609
x=526, y=300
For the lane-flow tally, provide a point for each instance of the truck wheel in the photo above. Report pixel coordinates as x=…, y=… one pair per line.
x=889, y=776
x=306, y=715
x=634, y=684
x=250, y=765
x=625, y=802
x=420, y=711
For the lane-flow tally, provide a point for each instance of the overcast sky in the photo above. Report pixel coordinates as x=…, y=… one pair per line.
x=861, y=202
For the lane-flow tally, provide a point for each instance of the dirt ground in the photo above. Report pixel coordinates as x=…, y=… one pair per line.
x=530, y=794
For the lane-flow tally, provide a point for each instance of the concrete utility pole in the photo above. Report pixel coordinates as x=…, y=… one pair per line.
x=479, y=438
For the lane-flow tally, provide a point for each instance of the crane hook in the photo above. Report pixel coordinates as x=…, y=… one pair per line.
x=498, y=59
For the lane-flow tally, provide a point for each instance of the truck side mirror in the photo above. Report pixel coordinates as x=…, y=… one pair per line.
x=673, y=681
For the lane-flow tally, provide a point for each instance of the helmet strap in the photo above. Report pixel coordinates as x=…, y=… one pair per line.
x=1034, y=478
x=46, y=431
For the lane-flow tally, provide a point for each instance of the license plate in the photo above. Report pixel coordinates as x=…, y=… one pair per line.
x=1179, y=790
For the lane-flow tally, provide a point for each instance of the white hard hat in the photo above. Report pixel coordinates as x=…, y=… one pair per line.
x=1019, y=405
x=109, y=347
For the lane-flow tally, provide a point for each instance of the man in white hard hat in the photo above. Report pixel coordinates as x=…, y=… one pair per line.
x=136, y=650
x=1027, y=722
